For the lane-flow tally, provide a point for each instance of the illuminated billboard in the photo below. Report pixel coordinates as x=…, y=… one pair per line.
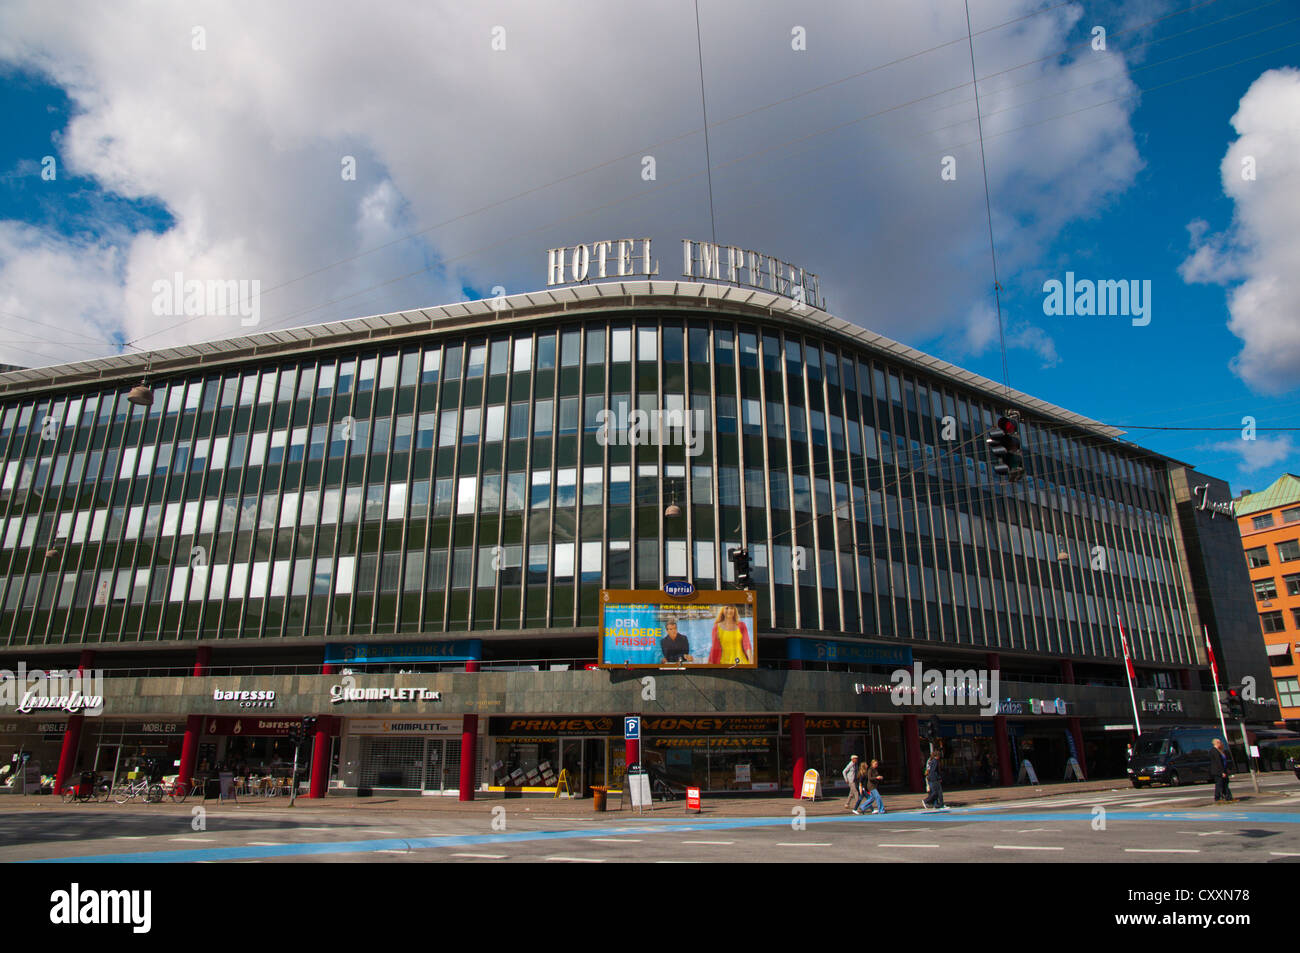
x=698, y=629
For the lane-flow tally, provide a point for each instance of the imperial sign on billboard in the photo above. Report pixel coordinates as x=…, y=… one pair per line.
x=680, y=589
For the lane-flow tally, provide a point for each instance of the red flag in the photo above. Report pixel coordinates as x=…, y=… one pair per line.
x=1214, y=667
x=1123, y=641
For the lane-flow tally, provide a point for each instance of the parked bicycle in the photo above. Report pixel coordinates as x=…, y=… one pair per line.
x=151, y=791
x=179, y=790
x=90, y=787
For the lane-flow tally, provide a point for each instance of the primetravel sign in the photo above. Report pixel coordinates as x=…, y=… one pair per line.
x=632, y=258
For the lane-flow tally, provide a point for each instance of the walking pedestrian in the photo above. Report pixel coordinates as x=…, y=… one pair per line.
x=871, y=788
x=850, y=774
x=1221, y=768
x=934, y=783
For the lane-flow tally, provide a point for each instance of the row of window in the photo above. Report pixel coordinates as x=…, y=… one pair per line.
x=1275, y=622
x=1291, y=515
x=1287, y=551
x=468, y=494
x=1267, y=588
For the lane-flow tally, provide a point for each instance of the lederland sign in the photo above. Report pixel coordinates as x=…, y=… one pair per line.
x=709, y=261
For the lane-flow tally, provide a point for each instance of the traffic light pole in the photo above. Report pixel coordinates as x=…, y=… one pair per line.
x=293, y=778
x=1254, y=777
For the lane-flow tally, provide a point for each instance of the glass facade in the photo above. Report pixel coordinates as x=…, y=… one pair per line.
x=471, y=481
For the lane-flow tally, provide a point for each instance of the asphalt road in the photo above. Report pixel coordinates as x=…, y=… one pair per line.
x=1125, y=826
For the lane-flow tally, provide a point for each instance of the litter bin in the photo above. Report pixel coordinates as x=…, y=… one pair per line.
x=212, y=788
x=598, y=795
x=86, y=786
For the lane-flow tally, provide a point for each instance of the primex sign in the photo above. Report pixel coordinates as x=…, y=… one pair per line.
x=632, y=258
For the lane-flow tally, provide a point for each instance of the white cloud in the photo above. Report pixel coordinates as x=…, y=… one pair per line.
x=242, y=142
x=1254, y=455
x=1261, y=249
x=979, y=334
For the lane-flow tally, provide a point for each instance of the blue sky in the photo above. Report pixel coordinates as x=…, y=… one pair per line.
x=209, y=139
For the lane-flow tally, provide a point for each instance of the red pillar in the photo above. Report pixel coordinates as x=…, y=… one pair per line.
x=912, y=744
x=68, y=755
x=798, y=751
x=320, y=756
x=327, y=668
x=202, y=660
x=1067, y=671
x=87, y=660
x=190, y=748
x=1005, y=775
x=468, y=755
x=471, y=665
x=1189, y=685
x=1076, y=729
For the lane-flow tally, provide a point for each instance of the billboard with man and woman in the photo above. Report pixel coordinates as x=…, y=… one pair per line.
x=642, y=627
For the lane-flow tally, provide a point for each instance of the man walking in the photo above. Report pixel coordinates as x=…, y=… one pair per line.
x=934, y=783
x=1221, y=768
x=850, y=774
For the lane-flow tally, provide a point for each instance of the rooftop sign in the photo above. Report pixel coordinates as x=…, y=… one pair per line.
x=708, y=261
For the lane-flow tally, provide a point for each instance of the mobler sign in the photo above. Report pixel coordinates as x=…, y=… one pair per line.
x=632, y=258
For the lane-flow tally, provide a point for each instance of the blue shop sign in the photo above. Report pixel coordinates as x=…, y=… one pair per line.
x=362, y=653
x=809, y=650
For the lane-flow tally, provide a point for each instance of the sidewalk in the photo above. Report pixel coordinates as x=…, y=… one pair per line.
x=583, y=808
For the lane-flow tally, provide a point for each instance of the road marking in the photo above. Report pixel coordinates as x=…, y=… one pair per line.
x=907, y=845
x=1159, y=800
x=579, y=860
x=906, y=830
x=392, y=852
x=201, y=840
x=718, y=843
x=129, y=837
x=1204, y=833
x=483, y=856
x=314, y=828
x=1160, y=850
x=615, y=840
x=804, y=844
x=263, y=843
x=1023, y=847
x=360, y=830
x=1284, y=853
x=1031, y=830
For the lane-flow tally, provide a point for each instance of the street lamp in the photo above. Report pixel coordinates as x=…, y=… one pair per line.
x=673, y=509
x=141, y=394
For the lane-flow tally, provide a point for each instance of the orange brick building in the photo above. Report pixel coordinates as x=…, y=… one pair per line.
x=1270, y=535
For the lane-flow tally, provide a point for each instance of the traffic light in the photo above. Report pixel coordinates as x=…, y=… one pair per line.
x=1004, y=445
x=309, y=724
x=740, y=559
x=1236, y=706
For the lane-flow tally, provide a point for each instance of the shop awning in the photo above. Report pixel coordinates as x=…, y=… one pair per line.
x=1277, y=648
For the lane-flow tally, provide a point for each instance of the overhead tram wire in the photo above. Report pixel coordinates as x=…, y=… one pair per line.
x=669, y=141
x=686, y=178
x=988, y=207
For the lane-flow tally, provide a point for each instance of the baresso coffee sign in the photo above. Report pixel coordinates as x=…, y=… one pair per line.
x=707, y=261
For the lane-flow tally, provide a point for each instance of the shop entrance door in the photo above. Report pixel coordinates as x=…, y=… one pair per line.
x=584, y=760
x=441, y=766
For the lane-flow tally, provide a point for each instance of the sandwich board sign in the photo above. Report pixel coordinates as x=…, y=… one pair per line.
x=812, y=785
